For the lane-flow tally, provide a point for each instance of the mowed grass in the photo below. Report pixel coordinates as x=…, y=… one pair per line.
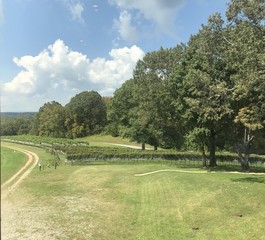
x=110, y=202
x=11, y=162
x=105, y=139
x=108, y=140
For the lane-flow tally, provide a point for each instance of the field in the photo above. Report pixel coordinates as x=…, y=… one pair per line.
x=11, y=162
x=111, y=202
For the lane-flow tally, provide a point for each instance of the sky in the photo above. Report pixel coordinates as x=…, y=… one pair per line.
x=51, y=50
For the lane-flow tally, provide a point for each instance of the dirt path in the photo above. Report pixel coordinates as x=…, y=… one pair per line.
x=21, y=215
x=13, y=182
x=129, y=146
x=166, y=170
x=196, y=172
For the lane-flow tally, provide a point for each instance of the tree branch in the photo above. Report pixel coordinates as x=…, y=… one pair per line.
x=228, y=41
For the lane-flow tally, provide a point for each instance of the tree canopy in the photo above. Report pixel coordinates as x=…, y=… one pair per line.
x=86, y=114
x=204, y=90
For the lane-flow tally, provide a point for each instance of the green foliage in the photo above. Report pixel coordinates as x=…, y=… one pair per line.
x=82, y=154
x=244, y=10
x=141, y=109
x=16, y=123
x=51, y=120
x=86, y=114
x=120, y=107
x=40, y=141
x=245, y=53
x=197, y=137
x=206, y=83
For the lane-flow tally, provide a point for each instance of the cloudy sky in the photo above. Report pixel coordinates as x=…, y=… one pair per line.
x=54, y=49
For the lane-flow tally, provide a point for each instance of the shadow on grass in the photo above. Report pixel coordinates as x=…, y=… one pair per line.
x=173, y=163
x=257, y=179
x=236, y=168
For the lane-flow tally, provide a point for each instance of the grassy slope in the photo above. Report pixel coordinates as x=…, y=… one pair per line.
x=109, y=202
x=107, y=140
x=11, y=162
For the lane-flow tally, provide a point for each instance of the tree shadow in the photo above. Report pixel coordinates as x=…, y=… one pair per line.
x=256, y=179
x=236, y=168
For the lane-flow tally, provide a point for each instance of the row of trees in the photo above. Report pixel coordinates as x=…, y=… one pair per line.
x=84, y=115
x=209, y=92
x=206, y=94
x=16, y=123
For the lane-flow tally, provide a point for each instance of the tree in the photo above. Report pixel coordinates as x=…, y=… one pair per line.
x=86, y=114
x=51, y=120
x=246, y=55
x=155, y=111
x=16, y=123
x=120, y=109
x=206, y=83
x=199, y=137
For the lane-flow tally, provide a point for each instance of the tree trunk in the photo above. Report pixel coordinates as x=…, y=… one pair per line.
x=155, y=148
x=243, y=156
x=204, y=160
x=245, y=166
x=243, y=150
x=143, y=146
x=212, y=149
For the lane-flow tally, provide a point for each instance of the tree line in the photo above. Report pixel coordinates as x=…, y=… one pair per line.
x=207, y=94
x=13, y=123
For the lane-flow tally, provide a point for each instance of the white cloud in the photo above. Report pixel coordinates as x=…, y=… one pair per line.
x=58, y=73
x=125, y=28
x=76, y=9
x=161, y=12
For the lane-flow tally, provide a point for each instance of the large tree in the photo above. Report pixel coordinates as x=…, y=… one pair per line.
x=120, y=108
x=51, y=120
x=155, y=114
x=86, y=114
x=207, y=86
x=246, y=55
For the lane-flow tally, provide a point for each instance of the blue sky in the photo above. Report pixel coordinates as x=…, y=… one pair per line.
x=54, y=49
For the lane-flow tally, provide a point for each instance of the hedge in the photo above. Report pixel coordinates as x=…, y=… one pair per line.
x=82, y=153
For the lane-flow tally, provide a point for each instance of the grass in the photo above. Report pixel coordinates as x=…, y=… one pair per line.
x=108, y=140
x=11, y=162
x=109, y=202
x=105, y=139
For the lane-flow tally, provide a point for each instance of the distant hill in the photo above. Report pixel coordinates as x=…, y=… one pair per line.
x=17, y=113
x=7, y=116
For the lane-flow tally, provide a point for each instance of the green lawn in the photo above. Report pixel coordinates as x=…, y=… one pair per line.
x=107, y=140
x=110, y=202
x=11, y=162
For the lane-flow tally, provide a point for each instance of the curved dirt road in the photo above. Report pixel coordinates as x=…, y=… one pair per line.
x=11, y=220
x=13, y=182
